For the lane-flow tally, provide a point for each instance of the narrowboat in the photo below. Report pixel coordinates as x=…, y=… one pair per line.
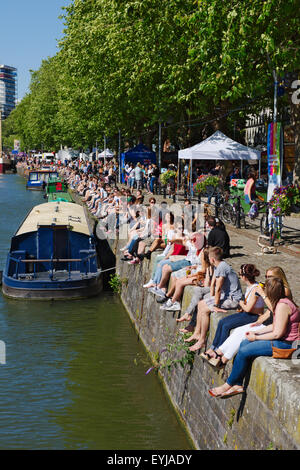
x=57, y=190
x=53, y=255
x=38, y=179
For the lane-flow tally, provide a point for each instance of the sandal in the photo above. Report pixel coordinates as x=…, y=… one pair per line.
x=232, y=393
x=215, y=395
x=217, y=361
x=207, y=357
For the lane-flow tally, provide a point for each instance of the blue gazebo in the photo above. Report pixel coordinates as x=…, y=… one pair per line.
x=139, y=154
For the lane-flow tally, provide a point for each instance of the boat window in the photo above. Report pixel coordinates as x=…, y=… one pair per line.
x=33, y=177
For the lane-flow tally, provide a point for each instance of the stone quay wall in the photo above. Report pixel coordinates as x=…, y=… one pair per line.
x=267, y=416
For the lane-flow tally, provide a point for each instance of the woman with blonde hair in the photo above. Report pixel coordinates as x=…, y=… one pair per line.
x=227, y=349
x=282, y=334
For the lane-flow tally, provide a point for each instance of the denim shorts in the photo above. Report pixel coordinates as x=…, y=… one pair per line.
x=179, y=264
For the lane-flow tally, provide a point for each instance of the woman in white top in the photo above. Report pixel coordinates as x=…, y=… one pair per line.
x=251, y=309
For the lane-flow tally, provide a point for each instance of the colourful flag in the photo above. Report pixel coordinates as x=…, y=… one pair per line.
x=274, y=149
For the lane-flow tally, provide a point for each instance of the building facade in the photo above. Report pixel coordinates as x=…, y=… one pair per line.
x=8, y=89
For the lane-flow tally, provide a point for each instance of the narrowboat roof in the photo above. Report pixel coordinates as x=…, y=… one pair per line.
x=57, y=213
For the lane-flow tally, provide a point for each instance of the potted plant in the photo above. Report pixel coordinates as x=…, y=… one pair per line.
x=206, y=182
x=164, y=177
x=285, y=199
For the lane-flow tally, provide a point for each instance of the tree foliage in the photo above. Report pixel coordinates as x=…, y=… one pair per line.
x=127, y=64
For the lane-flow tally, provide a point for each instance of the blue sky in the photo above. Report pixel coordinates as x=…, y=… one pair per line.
x=29, y=33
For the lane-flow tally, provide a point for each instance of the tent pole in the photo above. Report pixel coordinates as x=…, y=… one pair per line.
x=178, y=174
x=191, y=177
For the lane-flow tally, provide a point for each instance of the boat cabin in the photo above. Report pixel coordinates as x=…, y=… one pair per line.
x=38, y=179
x=53, y=255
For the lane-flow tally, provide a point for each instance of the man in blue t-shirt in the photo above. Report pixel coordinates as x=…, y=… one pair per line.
x=225, y=294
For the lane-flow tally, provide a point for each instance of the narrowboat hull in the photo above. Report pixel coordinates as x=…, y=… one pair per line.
x=52, y=290
x=53, y=256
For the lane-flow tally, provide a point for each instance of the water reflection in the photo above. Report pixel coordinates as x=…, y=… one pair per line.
x=70, y=381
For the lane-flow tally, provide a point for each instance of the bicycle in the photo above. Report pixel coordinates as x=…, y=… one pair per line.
x=270, y=225
x=231, y=213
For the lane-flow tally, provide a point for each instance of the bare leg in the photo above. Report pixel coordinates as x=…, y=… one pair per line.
x=166, y=272
x=179, y=287
x=203, y=318
x=185, y=317
x=141, y=248
x=197, y=332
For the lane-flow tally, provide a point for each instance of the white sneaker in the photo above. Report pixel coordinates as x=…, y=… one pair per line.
x=174, y=307
x=148, y=283
x=166, y=305
x=159, y=292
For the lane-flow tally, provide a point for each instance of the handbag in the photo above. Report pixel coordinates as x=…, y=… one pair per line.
x=282, y=353
x=279, y=353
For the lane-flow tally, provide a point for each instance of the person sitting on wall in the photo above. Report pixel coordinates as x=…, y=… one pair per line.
x=249, y=311
x=218, y=236
x=225, y=293
x=165, y=268
x=282, y=333
x=228, y=348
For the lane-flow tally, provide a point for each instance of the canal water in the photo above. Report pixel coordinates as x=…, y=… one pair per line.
x=70, y=380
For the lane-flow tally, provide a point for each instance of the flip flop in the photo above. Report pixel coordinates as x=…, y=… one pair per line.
x=212, y=394
x=228, y=394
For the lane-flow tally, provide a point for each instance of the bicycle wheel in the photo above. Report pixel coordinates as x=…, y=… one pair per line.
x=272, y=234
x=243, y=218
x=226, y=213
x=264, y=229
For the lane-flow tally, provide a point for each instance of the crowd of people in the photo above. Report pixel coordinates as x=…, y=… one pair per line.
x=193, y=249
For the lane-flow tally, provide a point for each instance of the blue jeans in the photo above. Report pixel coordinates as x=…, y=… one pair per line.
x=132, y=243
x=248, y=351
x=230, y=322
x=175, y=266
x=158, y=271
x=152, y=182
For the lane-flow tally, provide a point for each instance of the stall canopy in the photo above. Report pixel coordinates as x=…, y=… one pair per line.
x=219, y=147
x=140, y=154
x=106, y=154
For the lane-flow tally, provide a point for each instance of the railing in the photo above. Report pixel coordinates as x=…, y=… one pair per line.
x=34, y=262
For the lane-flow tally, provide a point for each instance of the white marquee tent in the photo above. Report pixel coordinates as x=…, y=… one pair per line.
x=219, y=147
x=106, y=154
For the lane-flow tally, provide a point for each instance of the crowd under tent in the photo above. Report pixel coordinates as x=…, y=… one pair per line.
x=219, y=147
